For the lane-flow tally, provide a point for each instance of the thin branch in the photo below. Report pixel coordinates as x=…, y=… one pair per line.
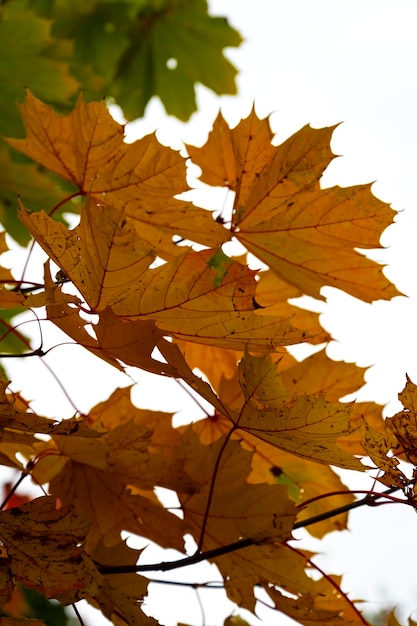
x=171, y=565
x=77, y=613
x=208, y=585
x=13, y=330
x=369, y=500
x=64, y=201
x=201, y=607
x=13, y=489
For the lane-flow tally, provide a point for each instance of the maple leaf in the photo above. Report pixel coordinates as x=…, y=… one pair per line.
x=103, y=498
x=122, y=595
x=103, y=256
x=51, y=540
x=139, y=179
x=399, y=437
x=307, y=235
x=28, y=36
x=176, y=45
x=237, y=509
x=117, y=463
x=308, y=426
x=185, y=297
x=220, y=470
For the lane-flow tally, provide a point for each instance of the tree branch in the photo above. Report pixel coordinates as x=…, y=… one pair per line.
x=369, y=500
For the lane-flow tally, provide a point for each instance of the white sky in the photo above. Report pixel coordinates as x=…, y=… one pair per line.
x=319, y=62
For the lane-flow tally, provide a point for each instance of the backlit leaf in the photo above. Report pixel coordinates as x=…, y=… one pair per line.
x=25, y=40
x=141, y=179
x=176, y=44
x=108, y=264
x=309, y=426
x=307, y=235
x=237, y=509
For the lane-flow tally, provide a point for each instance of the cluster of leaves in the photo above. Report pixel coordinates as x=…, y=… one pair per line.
x=131, y=51
x=261, y=459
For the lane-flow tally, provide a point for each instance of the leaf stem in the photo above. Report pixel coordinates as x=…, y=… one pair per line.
x=332, y=583
x=211, y=490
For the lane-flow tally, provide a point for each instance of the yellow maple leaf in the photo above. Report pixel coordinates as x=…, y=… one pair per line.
x=318, y=374
x=87, y=148
x=198, y=296
x=308, y=426
x=307, y=235
x=274, y=293
x=103, y=256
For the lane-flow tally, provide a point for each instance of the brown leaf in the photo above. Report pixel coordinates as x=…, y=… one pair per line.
x=122, y=595
x=103, y=499
x=51, y=540
x=237, y=509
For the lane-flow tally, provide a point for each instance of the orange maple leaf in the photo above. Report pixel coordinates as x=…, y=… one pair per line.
x=87, y=148
x=307, y=235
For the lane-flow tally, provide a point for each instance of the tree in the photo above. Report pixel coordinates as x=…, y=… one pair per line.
x=143, y=281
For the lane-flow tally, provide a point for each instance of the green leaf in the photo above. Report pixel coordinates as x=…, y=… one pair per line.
x=20, y=177
x=29, y=57
x=174, y=44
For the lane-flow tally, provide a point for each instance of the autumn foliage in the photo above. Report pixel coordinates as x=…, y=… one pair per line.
x=144, y=281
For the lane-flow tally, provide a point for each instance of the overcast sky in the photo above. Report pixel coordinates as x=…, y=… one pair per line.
x=319, y=62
